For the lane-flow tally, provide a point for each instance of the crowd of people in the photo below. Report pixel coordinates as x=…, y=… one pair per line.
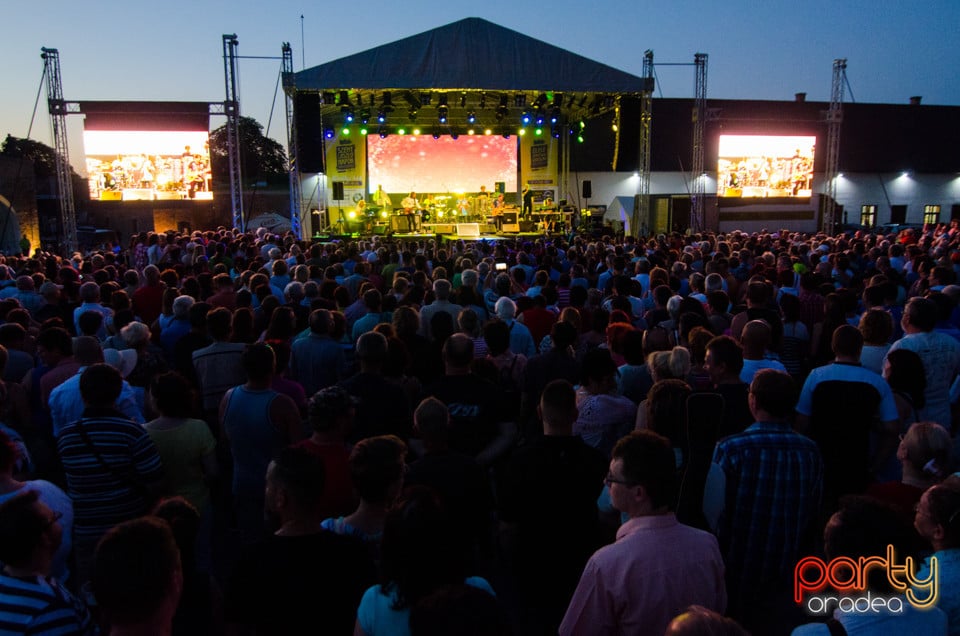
x=245, y=433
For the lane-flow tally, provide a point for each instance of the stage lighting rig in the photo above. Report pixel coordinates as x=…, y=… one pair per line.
x=525, y=118
x=471, y=117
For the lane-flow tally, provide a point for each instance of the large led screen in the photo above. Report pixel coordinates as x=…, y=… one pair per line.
x=146, y=165
x=405, y=163
x=765, y=166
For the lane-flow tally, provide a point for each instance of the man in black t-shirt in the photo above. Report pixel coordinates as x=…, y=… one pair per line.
x=302, y=578
x=479, y=427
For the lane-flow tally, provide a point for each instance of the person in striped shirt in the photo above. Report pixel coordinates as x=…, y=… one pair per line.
x=32, y=601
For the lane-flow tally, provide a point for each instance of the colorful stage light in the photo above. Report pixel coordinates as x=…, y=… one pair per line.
x=363, y=130
x=538, y=132
x=345, y=131
x=525, y=118
x=416, y=131
x=381, y=117
x=471, y=117
x=351, y=215
x=401, y=131
x=488, y=131
x=383, y=214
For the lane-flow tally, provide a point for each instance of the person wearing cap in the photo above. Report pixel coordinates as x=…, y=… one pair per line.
x=65, y=401
x=331, y=413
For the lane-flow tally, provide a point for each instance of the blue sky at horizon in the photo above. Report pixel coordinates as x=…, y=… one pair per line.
x=173, y=50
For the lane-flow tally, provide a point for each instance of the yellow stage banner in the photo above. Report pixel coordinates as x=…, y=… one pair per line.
x=539, y=165
x=346, y=164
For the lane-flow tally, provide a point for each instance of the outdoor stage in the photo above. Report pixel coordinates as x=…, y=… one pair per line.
x=426, y=236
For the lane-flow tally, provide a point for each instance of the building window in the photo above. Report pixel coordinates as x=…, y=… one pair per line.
x=931, y=214
x=868, y=215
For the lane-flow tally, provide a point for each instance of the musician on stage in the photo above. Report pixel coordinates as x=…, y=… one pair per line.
x=499, y=202
x=527, y=201
x=410, y=204
x=382, y=199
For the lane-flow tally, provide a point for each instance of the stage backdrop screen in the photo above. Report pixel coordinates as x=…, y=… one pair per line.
x=420, y=163
x=147, y=165
x=765, y=166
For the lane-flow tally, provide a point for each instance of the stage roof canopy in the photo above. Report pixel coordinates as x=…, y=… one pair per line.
x=469, y=64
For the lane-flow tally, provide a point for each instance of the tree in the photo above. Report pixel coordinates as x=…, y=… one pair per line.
x=261, y=158
x=44, y=157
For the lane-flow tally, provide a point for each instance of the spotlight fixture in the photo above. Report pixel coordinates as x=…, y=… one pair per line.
x=454, y=134
x=412, y=113
x=487, y=131
x=348, y=116
x=471, y=117
x=345, y=131
x=436, y=134
x=363, y=130
x=522, y=132
x=520, y=100
x=539, y=120
x=387, y=102
x=471, y=131
x=382, y=132
x=426, y=98
x=351, y=215
x=463, y=100
x=502, y=108
x=538, y=132
x=525, y=118
x=555, y=131
x=364, y=116
x=401, y=131
x=381, y=117
x=383, y=214
x=506, y=135
x=554, y=114
x=614, y=127
x=483, y=101
x=416, y=131
x=328, y=133
x=344, y=98
x=442, y=114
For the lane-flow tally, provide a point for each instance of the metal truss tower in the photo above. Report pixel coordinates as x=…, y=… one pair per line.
x=231, y=108
x=641, y=214
x=698, y=192
x=293, y=162
x=58, y=120
x=834, y=116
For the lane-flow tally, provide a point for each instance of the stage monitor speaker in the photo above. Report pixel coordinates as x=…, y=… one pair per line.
x=404, y=223
x=587, y=188
x=469, y=229
x=501, y=187
x=306, y=110
x=513, y=228
x=510, y=217
x=338, y=190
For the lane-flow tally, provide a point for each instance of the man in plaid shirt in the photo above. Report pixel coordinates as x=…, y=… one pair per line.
x=762, y=496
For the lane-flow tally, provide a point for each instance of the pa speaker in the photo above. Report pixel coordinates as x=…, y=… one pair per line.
x=306, y=111
x=338, y=190
x=587, y=188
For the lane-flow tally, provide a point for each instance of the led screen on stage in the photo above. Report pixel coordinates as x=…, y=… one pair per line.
x=146, y=165
x=405, y=163
x=765, y=166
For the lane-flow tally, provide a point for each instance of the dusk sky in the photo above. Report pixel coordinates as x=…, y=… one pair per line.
x=173, y=50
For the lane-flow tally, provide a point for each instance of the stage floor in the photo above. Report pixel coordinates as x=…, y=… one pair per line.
x=423, y=236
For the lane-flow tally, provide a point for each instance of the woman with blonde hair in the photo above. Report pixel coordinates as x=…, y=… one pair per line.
x=669, y=365
x=924, y=454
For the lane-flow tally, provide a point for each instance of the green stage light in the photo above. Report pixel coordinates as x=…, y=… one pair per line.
x=345, y=131
x=416, y=131
x=580, y=139
x=401, y=131
x=538, y=132
x=363, y=130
